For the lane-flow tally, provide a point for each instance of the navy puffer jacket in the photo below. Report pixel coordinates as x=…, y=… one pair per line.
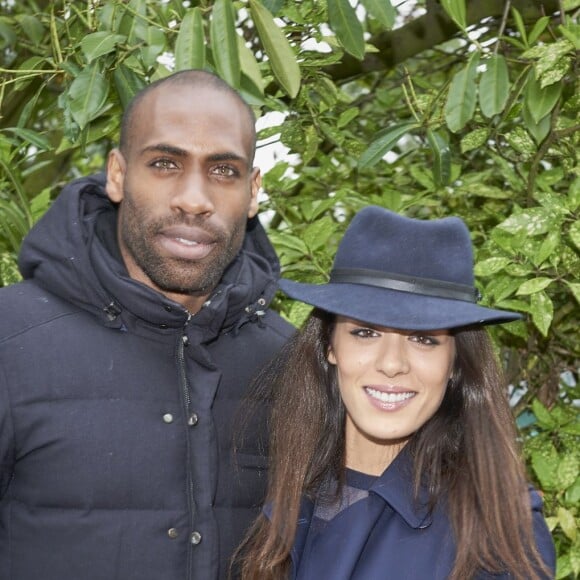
x=117, y=408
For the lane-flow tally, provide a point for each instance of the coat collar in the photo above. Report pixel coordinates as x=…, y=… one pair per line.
x=395, y=486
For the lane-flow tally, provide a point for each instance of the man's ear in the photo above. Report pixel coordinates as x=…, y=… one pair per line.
x=255, y=185
x=116, y=166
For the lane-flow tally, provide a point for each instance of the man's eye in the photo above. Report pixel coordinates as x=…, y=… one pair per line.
x=225, y=171
x=163, y=164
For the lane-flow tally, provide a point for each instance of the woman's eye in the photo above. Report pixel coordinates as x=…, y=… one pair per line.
x=424, y=339
x=363, y=332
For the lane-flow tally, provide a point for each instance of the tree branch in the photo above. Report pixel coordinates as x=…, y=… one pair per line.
x=428, y=31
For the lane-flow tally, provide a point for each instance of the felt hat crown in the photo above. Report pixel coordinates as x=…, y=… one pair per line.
x=404, y=273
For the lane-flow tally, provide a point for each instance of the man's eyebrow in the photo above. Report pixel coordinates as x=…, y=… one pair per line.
x=178, y=152
x=164, y=148
x=227, y=157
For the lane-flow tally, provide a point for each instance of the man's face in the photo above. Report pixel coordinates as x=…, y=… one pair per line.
x=186, y=188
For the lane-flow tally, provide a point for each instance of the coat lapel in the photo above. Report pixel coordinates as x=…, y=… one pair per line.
x=336, y=552
x=339, y=547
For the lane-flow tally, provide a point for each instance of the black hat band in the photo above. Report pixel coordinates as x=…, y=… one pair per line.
x=402, y=283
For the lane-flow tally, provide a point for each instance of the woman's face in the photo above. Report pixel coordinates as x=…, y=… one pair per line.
x=391, y=383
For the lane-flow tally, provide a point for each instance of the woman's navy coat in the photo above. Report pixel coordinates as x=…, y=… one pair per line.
x=388, y=536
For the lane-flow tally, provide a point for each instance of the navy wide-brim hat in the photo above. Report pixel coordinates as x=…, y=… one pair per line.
x=403, y=273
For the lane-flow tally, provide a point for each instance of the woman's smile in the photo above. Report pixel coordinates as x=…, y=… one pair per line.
x=391, y=383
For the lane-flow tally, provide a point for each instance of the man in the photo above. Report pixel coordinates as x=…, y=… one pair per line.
x=125, y=352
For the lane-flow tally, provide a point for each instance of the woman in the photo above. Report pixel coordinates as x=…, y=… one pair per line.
x=393, y=448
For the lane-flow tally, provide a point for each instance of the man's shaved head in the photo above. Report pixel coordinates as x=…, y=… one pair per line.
x=192, y=78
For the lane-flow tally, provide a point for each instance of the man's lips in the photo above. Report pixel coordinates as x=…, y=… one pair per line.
x=187, y=243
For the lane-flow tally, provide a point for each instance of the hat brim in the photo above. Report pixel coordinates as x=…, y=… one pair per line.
x=393, y=308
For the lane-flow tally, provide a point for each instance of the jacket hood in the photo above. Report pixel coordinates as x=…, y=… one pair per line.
x=64, y=255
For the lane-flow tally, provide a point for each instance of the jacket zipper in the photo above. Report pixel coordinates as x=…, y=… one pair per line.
x=184, y=387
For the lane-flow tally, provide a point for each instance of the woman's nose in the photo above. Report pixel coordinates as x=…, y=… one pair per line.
x=392, y=358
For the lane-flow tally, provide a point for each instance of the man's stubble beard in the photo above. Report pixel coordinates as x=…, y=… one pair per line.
x=170, y=274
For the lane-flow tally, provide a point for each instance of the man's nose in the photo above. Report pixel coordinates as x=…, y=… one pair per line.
x=192, y=195
x=392, y=359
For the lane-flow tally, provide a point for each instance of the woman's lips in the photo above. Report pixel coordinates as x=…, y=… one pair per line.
x=389, y=400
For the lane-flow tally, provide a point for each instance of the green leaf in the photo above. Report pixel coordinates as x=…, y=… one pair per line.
x=568, y=471
x=531, y=222
x=542, y=415
x=575, y=233
x=538, y=130
x=540, y=101
x=441, y=158
x=549, y=55
x=474, y=139
x=8, y=34
x=538, y=28
x=456, y=10
x=299, y=313
x=154, y=46
x=533, y=286
x=274, y=6
x=573, y=201
x=494, y=86
x=567, y=523
x=249, y=64
x=279, y=51
x=520, y=141
x=490, y=266
x=133, y=24
x=40, y=204
x=9, y=273
x=99, y=43
x=190, y=42
x=383, y=144
x=547, y=248
x=573, y=492
x=520, y=25
x=460, y=104
x=127, y=83
x=30, y=136
x=283, y=240
x=545, y=468
x=347, y=116
x=569, y=34
x=344, y=22
x=224, y=42
x=32, y=27
x=87, y=95
x=501, y=287
x=575, y=288
x=542, y=311
x=317, y=234
x=382, y=10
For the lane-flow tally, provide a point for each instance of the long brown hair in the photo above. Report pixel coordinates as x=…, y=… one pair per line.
x=467, y=451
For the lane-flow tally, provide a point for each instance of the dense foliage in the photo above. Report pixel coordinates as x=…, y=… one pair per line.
x=430, y=108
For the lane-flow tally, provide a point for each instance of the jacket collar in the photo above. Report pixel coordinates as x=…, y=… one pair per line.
x=64, y=254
